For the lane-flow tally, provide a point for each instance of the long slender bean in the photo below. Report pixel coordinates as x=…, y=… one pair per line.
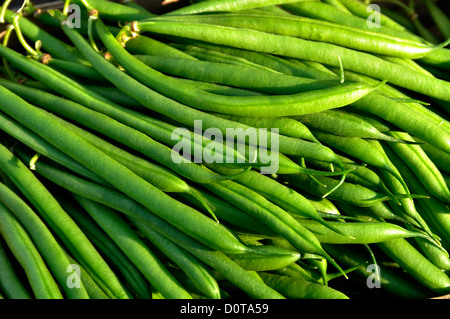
x=17, y=239
x=123, y=178
x=301, y=49
x=47, y=245
x=50, y=210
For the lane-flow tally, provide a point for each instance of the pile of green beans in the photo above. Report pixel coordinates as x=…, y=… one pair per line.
x=335, y=176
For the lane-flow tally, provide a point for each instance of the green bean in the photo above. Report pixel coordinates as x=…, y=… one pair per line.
x=94, y=291
x=184, y=114
x=228, y=213
x=220, y=89
x=358, y=148
x=289, y=200
x=115, y=95
x=300, y=289
x=348, y=193
x=315, y=30
x=131, y=275
x=439, y=17
x=44, y=240
x=125, y=180
x=270, y=214
x=337, y=4
x=241, y=278
x=361, y=10
x=287, y=126
x=228, y=74
x=324, y=11
x=217, y=56
x=276, y=63
x=108, y=126
x=114, y=12
x=18, y=240
x=60, y=222
x=417, y=265
x=399, y=186
x=256, y=262
x=225, y=5
x=391, y=281
x=51, y=44
x=193, y=268
x=267, y=106
x=124, y=236
x=76, y=69
x=360, y=232
x=437, y=156
x=341, y=123
x=126, y=205
x=422, y=167
x=10, y=284
x=301, y=49
x=433, y=211
x=42, y=147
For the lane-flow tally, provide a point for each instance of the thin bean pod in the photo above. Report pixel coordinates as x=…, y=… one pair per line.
x=300, y=289
x=17, y=239
x=133, y=278
x=301, y=49
x=266, y=106
x=417, y=265
x=182, y=113
x=315, y=30
x=52, y=213
x=422, y=166
x=45, y=242
x=360, y=232
x=10, y=283
x=124, y=236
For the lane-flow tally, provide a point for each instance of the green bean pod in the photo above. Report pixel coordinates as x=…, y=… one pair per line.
x=133, y=278
x=417, y=265
x=341, y=123
x=18, y=240
x=225, y=5
x=315, y=30
x=282, y=257
x=302, y=49
x=123, y=178
x=192, y=267
x=59, y=221
x=227, y=74
x=266, y=106
x=10, y=284
x=114, y=12
x=182, y=113
x=422, y=166
x=300, y=289
x=391, y=281
x=124, y=236
x=359, y=232
x=44, y=240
